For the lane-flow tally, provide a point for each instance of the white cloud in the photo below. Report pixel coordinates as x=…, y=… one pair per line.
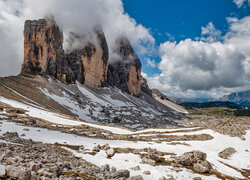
x=206, y=67
x=210, y=33
x=240, y=3
x=80, y=16
x=151, y=63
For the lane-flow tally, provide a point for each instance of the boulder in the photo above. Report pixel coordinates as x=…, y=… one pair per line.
x=105, y=168
x=196, y=159
x=20, y=173
x=227, y=153
x=110, y=152
x=121, y=174
x=202, y=167
x=189, y=158
x=2, y=171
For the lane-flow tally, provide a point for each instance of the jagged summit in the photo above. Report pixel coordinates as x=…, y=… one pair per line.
x=87, y=64
x=125, y=73
x=83, y=82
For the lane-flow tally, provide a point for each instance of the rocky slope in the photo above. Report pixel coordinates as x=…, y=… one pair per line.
x=39, y=144
x=107, y=105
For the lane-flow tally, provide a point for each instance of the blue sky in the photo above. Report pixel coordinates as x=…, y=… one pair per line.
x=170, y=20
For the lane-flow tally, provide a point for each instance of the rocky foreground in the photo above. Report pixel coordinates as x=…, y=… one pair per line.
x=34, y=148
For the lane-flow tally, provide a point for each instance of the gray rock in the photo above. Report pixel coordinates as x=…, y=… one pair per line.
x=97, y=148
x=145, y=160
x=2, y=171
x=189, y=158
x=18, y=173
x=121, y=174
x=136, y=168
x=139, y=177
x=105, y=168
x=153, y=154
x=202, y=167
x=146, y=172
x=110, y=152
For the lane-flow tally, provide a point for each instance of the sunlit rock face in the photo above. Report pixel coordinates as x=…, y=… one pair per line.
x=44, y=55
x=125, y=71
x=43, y=50
x=86, y=63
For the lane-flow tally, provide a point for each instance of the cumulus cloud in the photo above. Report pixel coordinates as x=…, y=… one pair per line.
x=240, y=3
x=79, y=16
x=206, y=66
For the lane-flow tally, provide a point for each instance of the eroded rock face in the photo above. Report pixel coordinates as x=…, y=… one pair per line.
x=90, y=63
x=124, y=72
x=43, y=50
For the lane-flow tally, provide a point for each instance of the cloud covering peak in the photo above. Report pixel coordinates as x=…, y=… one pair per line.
x=78, y=16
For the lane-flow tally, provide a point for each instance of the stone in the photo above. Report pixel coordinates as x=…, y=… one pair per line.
x=18, y=173
x=105, y=147
x=197, y=178
x=227, y=153
x=188, y=158
x=105, y=168
x=202, y=167
x=136, y=168
x=113, y=169
x=2, y=171
x=139, y=177
x=145, y=160
x=153, y=154
x=110, y=152
x=146, y=172
x=34, y=166
x=121, y=174
x=97, y=148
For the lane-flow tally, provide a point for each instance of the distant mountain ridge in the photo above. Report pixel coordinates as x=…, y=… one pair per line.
x=242, y=98
x=224, y=104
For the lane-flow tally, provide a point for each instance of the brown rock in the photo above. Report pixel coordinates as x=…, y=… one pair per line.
x=202, y=167
x=90, y=63
x=43, y=50
x=227, y=153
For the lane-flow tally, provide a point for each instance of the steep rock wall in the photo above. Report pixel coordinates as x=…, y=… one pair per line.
x=125, y=73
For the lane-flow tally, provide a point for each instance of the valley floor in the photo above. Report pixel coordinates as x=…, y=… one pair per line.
x=55, y=146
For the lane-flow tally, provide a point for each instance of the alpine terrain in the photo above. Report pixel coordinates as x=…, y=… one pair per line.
x=75, y=113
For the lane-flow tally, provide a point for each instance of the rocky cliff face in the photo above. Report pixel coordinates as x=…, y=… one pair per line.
x=87, y=64
x=43, y=50
x=125, y=73
x=44, y=55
